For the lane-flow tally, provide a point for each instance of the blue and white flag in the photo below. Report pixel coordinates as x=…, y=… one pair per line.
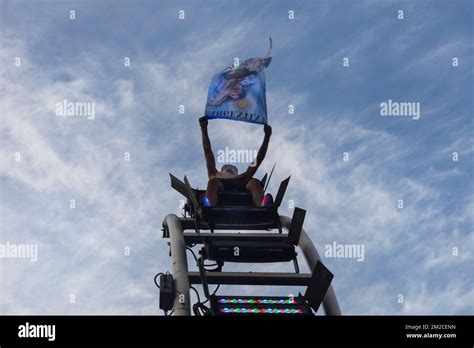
x=238, y=92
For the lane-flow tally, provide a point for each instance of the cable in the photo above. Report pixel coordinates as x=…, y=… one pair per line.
x=199, y=309
x=195, y=259
x=169, y=315
x=156, y=276
x=212, y=264
x=217, y=288
x=192, y=252
x=197, y=293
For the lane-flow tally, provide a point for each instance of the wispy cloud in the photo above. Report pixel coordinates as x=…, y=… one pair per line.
x=120, y=204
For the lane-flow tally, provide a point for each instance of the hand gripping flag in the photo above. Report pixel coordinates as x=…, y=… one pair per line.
x=238, y=92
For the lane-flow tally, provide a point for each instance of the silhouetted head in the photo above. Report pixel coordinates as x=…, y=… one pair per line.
x=230, y=169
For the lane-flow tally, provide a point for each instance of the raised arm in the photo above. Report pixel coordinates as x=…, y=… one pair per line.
x=252, y=169
x=206, y=144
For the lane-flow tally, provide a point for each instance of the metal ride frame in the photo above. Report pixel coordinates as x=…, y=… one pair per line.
x=175, y=228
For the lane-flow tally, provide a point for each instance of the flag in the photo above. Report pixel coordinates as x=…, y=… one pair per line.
x=238, y=92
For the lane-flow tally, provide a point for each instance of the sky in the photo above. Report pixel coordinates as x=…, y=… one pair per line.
x=417, y=257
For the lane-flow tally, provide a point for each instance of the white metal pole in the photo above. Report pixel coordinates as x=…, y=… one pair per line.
x=330, y=304
x=181, y=304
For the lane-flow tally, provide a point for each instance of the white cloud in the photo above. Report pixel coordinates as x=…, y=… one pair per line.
x=122, y=204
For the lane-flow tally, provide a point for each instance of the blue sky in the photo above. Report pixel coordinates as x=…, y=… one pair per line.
x=122, y=204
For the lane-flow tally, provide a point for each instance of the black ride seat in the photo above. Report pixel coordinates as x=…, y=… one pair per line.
x=234, y=198
x=234, y=209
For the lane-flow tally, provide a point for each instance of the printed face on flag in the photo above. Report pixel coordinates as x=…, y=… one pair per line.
x=238, y=93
